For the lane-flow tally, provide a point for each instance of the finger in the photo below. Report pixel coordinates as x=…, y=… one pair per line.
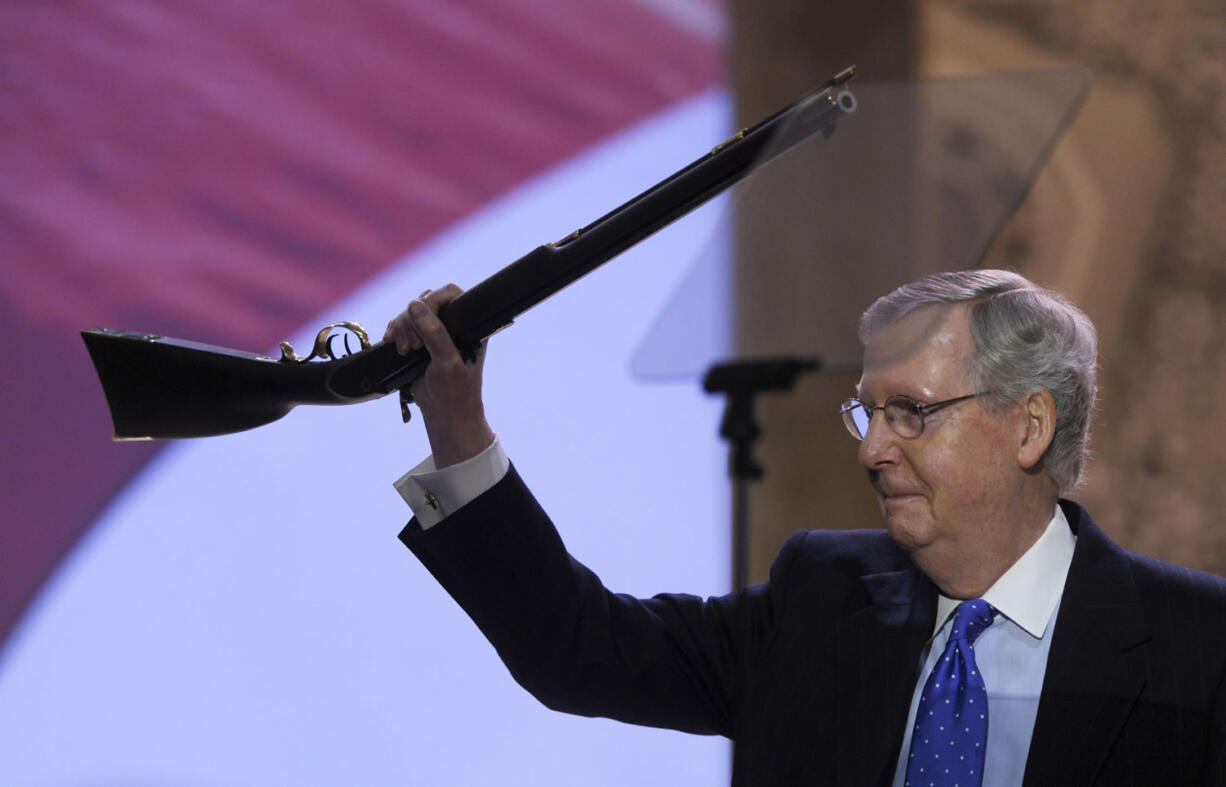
x=394, y=328
x=435, y=299
x=401, y=328
x=400, y=331
x=433, y=334
x=392, y=333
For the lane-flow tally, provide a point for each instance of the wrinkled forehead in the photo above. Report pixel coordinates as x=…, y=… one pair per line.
x=929, y=343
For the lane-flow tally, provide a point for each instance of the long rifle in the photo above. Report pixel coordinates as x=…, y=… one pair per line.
x=159, y=387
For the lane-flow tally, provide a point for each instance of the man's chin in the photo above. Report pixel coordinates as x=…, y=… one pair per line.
x=907, y=533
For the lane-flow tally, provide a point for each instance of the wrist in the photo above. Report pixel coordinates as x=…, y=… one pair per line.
x=450, y=446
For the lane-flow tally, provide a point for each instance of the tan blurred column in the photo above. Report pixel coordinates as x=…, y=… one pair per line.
x=1127, y=219
x=779, y=50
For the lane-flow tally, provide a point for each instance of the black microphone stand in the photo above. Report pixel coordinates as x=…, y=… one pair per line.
x=741, y=381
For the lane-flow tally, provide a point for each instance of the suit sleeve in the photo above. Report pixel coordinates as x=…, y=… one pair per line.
x=672, y=661
x=1215, y=755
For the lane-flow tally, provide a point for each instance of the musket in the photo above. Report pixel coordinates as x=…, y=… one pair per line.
x=158, y=387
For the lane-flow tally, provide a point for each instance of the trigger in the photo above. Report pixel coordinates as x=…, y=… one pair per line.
x=406, y=398
x=469, y=353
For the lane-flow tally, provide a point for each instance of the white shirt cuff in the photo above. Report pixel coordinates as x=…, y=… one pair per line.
x=436, y=494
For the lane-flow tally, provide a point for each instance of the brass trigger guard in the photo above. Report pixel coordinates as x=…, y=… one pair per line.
x=323, y=344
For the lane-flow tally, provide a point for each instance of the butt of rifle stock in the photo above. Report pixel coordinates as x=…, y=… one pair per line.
x=158, y=388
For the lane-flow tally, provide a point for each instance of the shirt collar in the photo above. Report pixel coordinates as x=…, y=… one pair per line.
x=1029, y=592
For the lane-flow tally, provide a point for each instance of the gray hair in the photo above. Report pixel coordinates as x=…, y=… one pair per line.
x=1027, y=339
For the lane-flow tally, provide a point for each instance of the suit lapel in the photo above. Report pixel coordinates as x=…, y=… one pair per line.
x=1097, y=665
x=878, y=655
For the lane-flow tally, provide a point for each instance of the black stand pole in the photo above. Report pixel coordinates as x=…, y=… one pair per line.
x=741, y=381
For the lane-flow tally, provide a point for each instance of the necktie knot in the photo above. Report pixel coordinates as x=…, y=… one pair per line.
x=971, y=619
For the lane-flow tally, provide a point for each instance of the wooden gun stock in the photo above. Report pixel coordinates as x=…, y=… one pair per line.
x=168, y=388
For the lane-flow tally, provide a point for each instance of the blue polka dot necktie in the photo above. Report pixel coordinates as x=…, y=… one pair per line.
x=951, y=723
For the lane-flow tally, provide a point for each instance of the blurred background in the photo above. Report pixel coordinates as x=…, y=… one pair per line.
x=236, y=610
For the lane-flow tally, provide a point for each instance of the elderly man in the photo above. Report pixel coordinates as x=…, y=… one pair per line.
x=990, y=634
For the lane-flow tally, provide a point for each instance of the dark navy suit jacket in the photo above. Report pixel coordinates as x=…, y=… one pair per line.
x=812, y=672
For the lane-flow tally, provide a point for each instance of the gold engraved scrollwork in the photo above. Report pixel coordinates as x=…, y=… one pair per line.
x=323, y=343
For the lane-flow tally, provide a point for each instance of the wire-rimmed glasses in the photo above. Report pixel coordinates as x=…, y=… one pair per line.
x=904, y=415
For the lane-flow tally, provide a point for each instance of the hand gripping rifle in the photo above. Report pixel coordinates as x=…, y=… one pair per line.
x=157, y=387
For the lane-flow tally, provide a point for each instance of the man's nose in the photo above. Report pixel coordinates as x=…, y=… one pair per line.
x=880, y=444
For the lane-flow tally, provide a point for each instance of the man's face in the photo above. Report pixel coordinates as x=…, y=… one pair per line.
x=948, y=494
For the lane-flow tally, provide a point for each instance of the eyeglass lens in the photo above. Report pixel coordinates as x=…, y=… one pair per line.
x=901, y=412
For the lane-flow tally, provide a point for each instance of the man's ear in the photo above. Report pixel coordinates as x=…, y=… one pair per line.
x=1039, y=409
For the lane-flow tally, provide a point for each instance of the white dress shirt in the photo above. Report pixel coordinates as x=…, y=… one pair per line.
x=433, y=494
x=1011, y=653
